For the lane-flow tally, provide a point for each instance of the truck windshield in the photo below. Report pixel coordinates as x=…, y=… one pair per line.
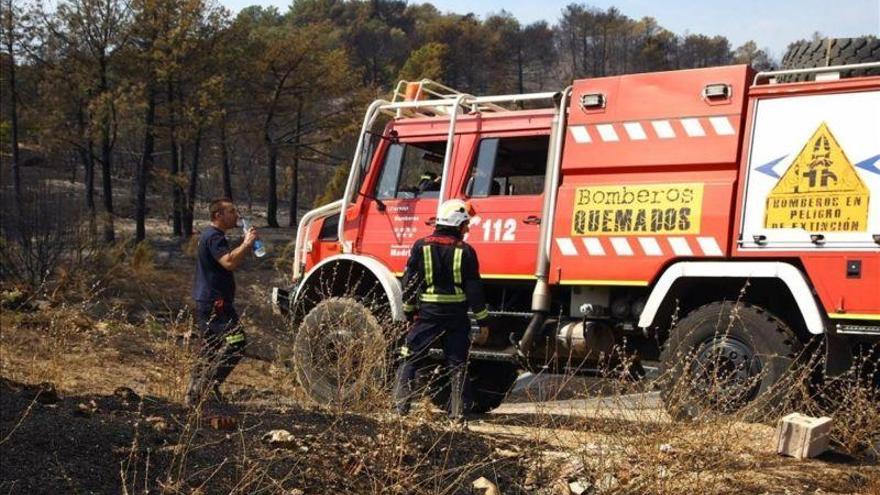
x=412, y=170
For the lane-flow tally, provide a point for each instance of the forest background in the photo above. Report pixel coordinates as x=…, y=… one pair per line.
x=179, y=101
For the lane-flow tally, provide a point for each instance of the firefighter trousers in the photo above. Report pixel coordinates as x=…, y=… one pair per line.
x=453, y=333
x=223, y=341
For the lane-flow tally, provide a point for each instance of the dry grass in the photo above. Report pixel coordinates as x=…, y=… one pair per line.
x=613, y=436
x=625, y=443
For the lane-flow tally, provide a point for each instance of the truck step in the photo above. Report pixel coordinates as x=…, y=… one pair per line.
x=859, y=329
x=507, y=354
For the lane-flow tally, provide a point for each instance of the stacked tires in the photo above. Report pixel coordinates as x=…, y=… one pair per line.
x=831, y=51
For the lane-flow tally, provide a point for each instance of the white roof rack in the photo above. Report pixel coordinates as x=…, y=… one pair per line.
x=428, y=98
x=772, y=75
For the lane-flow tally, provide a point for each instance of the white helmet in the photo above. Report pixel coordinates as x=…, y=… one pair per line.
x=454, y=213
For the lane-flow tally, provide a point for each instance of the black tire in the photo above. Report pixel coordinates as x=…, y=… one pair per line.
x=725, y=356
x=832, y=51
x=490, y=382
x=341, y=353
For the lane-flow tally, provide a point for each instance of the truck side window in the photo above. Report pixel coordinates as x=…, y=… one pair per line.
x=509, y=166
x=412, y=170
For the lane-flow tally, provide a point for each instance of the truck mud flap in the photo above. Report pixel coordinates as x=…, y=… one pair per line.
x=838, y=355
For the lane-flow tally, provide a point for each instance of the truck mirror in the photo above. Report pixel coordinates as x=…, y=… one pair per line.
x=379, y=204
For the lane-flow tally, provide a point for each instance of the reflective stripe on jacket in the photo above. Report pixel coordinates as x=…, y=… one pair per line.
x=443, y=269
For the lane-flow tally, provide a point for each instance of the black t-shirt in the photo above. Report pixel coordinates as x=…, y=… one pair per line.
x=212, y=280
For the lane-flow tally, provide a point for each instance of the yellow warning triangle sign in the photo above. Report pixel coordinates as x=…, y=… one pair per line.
x=820, y=191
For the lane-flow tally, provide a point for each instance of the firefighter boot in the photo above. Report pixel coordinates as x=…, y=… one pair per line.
x=457, y=403
x=403, y=388
x=197, y=385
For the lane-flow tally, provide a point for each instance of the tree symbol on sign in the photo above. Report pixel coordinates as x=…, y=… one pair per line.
x=820, y=164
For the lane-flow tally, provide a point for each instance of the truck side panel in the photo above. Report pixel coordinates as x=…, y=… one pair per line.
x=656, y=120
x=649, y=178
x=629, y=245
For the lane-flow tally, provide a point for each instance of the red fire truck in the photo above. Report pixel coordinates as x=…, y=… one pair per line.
x=728, y=215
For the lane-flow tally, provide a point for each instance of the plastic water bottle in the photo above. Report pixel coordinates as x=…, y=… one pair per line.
x=259, y=249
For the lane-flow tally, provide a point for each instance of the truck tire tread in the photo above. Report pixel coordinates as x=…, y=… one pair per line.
x=835, y=51
x=765, y=330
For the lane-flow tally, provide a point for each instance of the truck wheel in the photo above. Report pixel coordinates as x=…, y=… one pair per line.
x=341, y=353
x=723, y=356
x=490, y=381
x=834, y=51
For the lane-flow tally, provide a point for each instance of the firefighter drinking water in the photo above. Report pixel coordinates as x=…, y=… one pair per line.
x=441, y=281
x=223, y=338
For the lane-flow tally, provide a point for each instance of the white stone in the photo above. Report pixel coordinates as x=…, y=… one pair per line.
x=277, y=437
x=482, y=483
x=578, y=487
x=607, y=483
x=801, y=436
x=667, y=448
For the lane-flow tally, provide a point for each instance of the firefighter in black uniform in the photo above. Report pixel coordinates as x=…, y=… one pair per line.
x=442, y=279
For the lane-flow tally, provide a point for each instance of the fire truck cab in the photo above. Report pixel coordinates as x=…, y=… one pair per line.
x=715, y=214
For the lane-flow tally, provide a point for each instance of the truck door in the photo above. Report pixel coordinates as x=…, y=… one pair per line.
x=404, y=199
x=505, y=185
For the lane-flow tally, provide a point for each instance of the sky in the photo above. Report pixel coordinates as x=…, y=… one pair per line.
x=772, y=24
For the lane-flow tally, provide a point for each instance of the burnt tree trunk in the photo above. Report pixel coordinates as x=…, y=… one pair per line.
x=272, y=203
x=87, y=157
x=585, y=54
x=520, y=66
x=224, y=151
x=107, y=183
x=272, y=154
x=144, y=166
x=13, y=109
x=189, y=209
x=106, y=161
x=294, y=174
x=176, y=192
x=294, y=191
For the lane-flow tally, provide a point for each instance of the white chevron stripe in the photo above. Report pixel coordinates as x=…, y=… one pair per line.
x=650, y=246
x=566, y=246
x=580, y=134
x=594, y=246
x=607, y=132
x=722, y=126
x=680, y=246
x=709, y=246
x=663, y=129
x=635, y=131
x=693, y=128
x=621, y=246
